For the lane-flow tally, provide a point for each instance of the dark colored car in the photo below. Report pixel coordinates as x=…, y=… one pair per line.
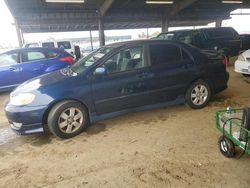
x=223, y=39
x=17, y=66
x=113, y=80
x=245, y=45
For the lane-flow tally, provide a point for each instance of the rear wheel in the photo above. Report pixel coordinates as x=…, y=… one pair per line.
x=226, y=147
x=67, y=119
x=198, y=94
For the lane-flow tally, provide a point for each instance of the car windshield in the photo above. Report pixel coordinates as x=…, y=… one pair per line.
x=89, y=60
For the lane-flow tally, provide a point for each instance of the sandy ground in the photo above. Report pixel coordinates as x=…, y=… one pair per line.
x=167, y=147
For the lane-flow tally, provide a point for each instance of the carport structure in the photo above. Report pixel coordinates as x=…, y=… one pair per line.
x=32, y=16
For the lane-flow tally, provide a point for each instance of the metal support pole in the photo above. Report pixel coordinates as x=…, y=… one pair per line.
x=165, y=23
x=218, y=22
x=101, y=32
x=91, y=40
x=19, y=37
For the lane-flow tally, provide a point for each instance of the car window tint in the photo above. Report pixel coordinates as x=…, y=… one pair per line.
x=51, y=55
x=125, y=60
x=164, y=54
x=32, y=56
x=48, y=45
x=8, y=59
x=64, y=45
x=185, y=37
x=32, y=45
x=166, y=36
x=220, y=33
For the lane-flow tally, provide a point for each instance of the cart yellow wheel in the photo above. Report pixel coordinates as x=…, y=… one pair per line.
x=226, y=147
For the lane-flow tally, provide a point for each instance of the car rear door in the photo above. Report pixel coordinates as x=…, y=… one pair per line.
x=9, y=70
x=123, y=86
x=34, y=62
x=172, y=69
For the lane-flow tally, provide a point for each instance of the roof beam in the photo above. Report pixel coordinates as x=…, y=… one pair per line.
x=105, y=7
x=180, y=5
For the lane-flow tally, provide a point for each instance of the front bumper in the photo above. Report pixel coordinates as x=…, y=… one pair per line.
x=242, y=67
x=25, y=119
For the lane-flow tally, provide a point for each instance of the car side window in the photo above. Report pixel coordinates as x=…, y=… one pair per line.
x=165, y=54
x=32, y=56
x=9, y=59
x=64, y=45
x=185, y=37
x=125, y=60
x=48, y=45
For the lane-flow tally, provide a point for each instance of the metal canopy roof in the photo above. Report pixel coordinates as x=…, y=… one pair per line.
x=39, y=16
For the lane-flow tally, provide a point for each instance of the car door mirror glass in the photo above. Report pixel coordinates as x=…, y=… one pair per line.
x=100, y=71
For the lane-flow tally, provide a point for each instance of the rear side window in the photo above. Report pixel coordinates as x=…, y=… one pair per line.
x=51, y=55
x=220, y=33
x=32, y=56
x=48, y=45
x=64, y=45
x=165, y=54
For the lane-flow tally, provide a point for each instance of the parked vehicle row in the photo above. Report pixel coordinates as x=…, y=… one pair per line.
x=223, y=39
x=113, y=80
x=17, y=66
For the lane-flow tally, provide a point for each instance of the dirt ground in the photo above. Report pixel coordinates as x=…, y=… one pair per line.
x=167, y=147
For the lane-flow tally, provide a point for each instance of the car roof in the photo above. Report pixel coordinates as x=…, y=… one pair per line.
x=143, y=42
x=200, y=29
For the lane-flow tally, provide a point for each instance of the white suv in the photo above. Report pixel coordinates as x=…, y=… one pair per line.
x=67, y=45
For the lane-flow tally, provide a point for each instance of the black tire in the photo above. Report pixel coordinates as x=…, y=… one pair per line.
x=246, y=75
x=226, y=147
x=57, y=116
x=204, y=98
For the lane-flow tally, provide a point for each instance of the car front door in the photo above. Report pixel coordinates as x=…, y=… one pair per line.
x=173, y=69
x=33, y=63
x=123, y=85
x=9, y=70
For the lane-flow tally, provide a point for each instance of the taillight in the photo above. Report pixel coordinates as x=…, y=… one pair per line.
x=225, y=60
x=70, y=60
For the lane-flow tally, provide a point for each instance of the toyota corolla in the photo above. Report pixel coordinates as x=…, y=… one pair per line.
x=113, y=80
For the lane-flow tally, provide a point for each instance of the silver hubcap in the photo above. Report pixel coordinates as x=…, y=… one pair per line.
x=223, y=146
x=199, y=94
x=70, y=120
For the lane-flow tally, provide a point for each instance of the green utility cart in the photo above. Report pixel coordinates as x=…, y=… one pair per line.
x=234, y=124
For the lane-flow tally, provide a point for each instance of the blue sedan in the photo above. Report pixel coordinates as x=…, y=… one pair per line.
x=19, y=65
x=113, y=80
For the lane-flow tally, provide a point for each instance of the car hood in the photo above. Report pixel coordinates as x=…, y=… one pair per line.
x=49, y=79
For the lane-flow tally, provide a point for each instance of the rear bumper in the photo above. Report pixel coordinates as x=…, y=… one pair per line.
x=25, y=120
x=220, y=82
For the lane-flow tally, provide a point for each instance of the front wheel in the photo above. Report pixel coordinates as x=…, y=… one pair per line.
x=67, y=119
x=198, y=94
x=226, y=147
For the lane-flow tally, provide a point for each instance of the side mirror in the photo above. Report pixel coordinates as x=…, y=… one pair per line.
x=100, y=71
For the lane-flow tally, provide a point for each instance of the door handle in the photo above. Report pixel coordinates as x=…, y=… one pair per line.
x=145, y=75
x=14, y=69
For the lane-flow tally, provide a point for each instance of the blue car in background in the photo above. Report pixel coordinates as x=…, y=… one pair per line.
x=17, y=66
x=113, y=80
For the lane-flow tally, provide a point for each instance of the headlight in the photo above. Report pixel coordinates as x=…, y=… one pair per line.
x=22, y=99
x=241, y=58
